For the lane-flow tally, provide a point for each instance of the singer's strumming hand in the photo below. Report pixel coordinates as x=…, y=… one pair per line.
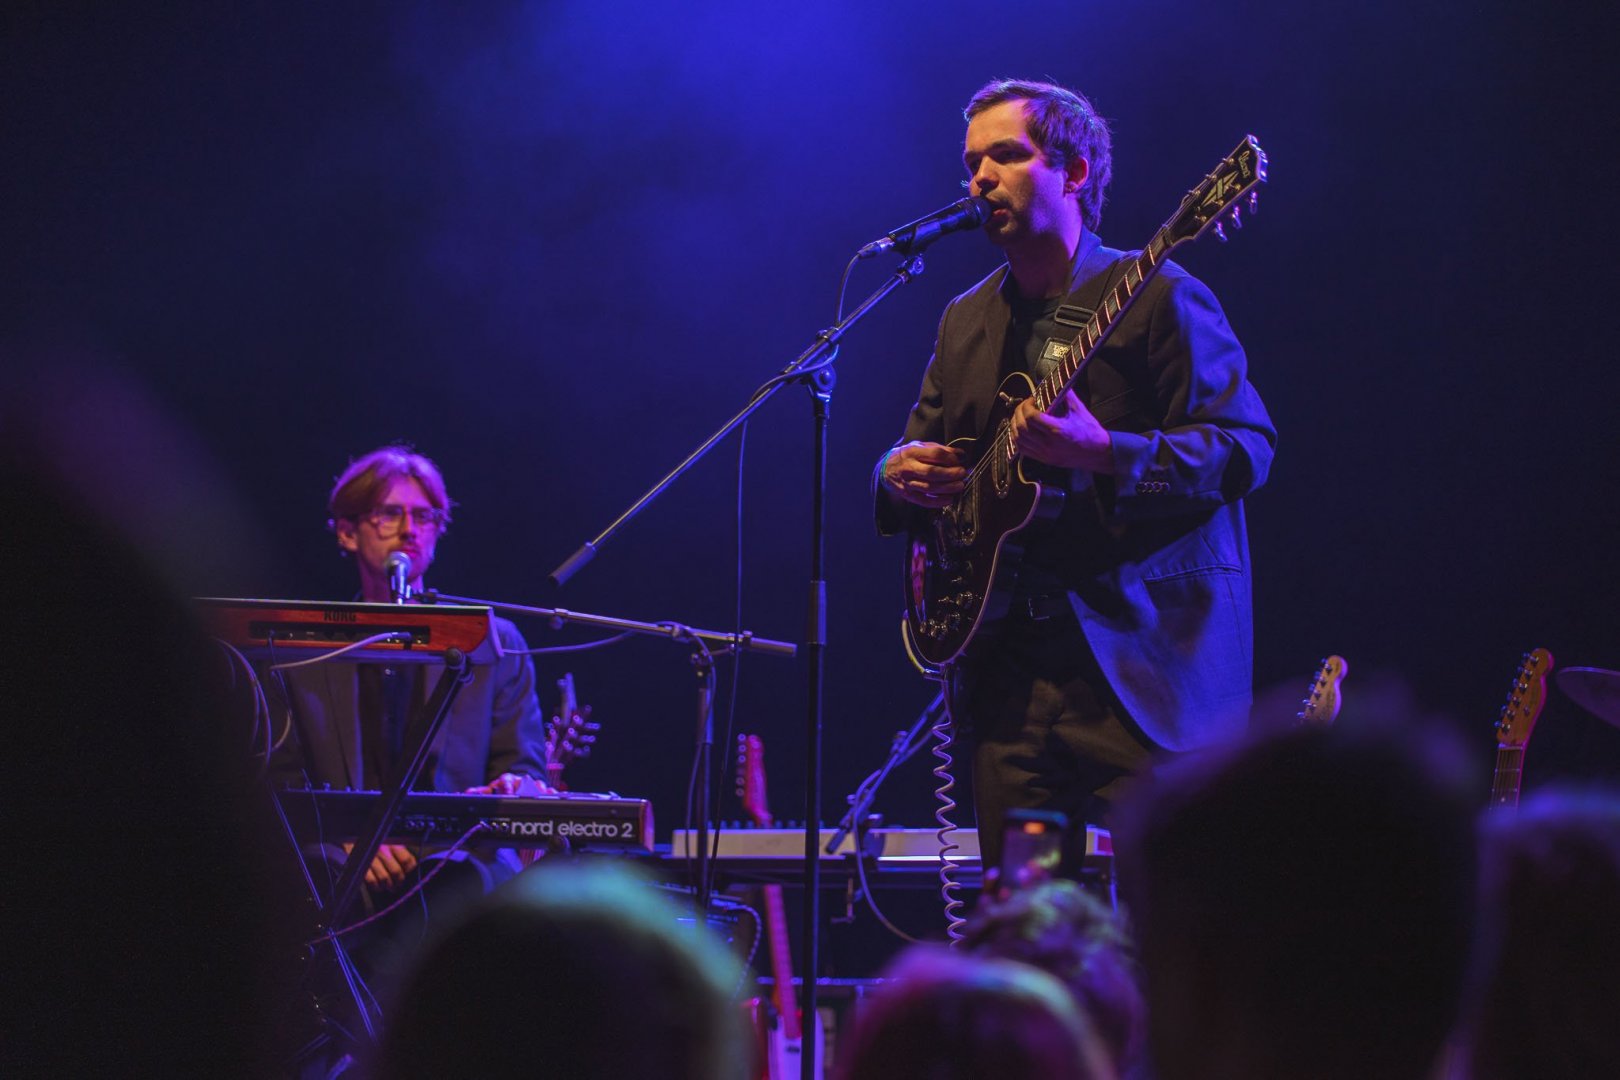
x=924, y=474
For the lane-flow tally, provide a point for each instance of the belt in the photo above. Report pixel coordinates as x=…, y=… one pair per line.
x=1040, y=608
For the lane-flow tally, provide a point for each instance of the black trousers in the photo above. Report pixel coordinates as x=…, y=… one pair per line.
x=1041, y=728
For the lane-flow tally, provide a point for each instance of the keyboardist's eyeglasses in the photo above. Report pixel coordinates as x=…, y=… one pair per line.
x=388, y=518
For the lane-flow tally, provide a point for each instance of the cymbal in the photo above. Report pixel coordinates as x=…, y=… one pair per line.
x=1594, y=689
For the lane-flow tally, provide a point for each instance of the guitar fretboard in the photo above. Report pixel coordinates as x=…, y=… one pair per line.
x=1505, y=780
x=1138, y=273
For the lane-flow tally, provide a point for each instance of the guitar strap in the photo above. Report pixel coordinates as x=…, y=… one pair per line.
x=1099, y=273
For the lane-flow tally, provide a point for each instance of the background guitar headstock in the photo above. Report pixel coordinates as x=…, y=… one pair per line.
x=751, y=780
x=569, y=735
x=1525, y=700
x=1321, y=706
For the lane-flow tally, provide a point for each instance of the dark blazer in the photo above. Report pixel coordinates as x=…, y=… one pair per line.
x=494, y=726
x=1156, y=559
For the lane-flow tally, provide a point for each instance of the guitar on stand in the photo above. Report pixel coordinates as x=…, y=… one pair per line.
x=784, y=1033
x=1321, y=706
x=1513, y=727
x=569, y=735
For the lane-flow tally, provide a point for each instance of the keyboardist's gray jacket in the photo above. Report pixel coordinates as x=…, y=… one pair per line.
x=495, y=724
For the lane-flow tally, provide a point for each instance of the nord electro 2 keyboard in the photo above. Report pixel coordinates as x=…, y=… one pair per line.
x=583, y=821
x=297, y=629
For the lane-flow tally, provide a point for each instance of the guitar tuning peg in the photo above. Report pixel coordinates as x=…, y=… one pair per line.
x=1220, y=233
x=1237, y=216
x=1254, y=201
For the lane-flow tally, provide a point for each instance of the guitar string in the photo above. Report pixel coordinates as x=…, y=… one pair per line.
x=999, y=440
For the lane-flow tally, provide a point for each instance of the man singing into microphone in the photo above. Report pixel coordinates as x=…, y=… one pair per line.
x=388, y=510
x=1130, y=631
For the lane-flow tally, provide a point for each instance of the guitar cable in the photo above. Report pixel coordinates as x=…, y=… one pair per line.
x=262, y=717
x=944, y=733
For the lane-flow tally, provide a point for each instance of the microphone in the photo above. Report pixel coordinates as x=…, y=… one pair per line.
x=968, y=213
x=398, y=567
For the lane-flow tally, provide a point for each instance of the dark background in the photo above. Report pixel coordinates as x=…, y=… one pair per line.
x=556, y=244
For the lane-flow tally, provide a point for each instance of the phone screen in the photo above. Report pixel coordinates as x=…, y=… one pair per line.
x=1031, y=847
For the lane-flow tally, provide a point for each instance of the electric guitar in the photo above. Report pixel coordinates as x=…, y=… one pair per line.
x=1321, y=706
x=784, y=1037
x=1513, y=727
x=569, y=735
x=960, y=561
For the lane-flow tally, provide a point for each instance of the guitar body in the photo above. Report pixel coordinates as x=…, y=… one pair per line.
x=777, y=1055
x=783, y=1054
x=962, y=561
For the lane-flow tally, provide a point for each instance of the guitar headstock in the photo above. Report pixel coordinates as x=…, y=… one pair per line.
x=570, y=734
x=1218, y=199
x=1321, y=706
x=1525, y=700
x=751, y=780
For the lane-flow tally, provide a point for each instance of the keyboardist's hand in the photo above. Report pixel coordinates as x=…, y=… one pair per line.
x=389, y=867
x=513, y=784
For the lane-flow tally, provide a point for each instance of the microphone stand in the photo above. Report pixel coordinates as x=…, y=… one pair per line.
x=725, y=642
x=812, y=367
x=906, y=743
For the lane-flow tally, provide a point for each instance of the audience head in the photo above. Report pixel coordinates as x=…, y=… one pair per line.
x=1303, y=903
x=949, y=1016
x=1067, y=932
x=149, y=907
x=576, y=970
x=1550, y=970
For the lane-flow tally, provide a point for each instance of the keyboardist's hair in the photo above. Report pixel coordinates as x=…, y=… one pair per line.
x=360, y=488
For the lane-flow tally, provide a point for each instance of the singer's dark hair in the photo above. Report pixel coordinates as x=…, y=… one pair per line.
x=1065, y=126
x=357, y=491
